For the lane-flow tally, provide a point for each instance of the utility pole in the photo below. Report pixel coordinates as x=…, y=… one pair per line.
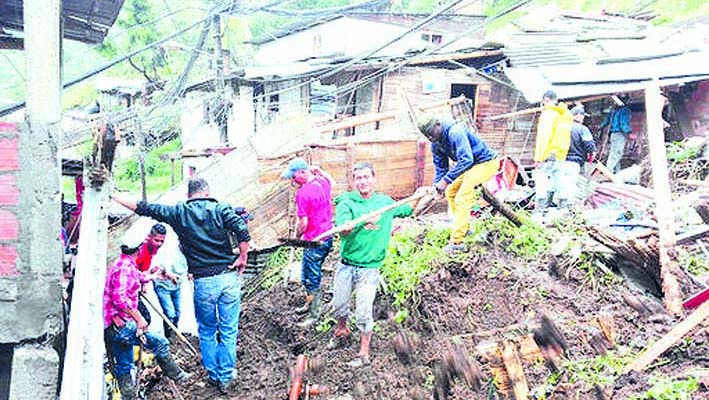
x=38, y=249
x=222, y=109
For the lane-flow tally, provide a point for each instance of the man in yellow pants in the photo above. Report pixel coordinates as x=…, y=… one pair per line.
x=475, y=164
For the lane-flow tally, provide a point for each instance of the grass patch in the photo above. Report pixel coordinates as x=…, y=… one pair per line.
x=669, y=389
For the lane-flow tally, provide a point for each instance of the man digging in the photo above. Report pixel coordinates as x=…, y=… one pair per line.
x=314, y=210
x=362, y=251
x=475, y=164
x=124, y=326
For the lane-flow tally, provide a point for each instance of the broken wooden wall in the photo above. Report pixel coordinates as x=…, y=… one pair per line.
x=698, y=108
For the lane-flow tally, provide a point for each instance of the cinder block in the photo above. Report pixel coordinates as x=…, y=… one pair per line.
x=35, y=370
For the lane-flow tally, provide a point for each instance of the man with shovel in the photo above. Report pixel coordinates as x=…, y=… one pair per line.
x=124, y=326
x=314, y=210
x=475, y=164
x=362, y=250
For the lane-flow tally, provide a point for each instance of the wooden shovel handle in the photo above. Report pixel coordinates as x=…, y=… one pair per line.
x=351, y=224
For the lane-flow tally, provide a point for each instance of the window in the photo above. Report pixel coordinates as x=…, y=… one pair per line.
x=273, y=103
x=436, y=39
x=425, y=37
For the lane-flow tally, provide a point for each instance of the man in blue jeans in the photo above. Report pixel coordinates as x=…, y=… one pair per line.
x=314, y=210
x=172, y=269
x=124, y=326
x=203, y=224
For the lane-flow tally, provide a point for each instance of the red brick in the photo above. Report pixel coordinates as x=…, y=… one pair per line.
x=9, y=225
x=9, y=193
x=8, y=155
x=8, y=127
x=8, y=261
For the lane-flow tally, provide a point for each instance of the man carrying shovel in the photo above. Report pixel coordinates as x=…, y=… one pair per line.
x=314, y=210
x=475, y=164
x=362, y=250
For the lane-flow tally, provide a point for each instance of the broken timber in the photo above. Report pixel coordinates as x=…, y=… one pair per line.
x=663, y=198
x=672, y=337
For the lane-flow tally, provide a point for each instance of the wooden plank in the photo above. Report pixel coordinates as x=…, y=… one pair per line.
x=513, y=365
x=663, y=198
x=672, y=337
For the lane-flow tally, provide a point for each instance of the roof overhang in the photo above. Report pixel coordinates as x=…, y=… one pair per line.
x=581, y=80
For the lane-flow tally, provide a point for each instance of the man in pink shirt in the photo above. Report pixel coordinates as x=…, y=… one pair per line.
x=314, y=209
x=124, y=326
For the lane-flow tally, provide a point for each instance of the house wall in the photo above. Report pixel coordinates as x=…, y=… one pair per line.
x=507, y=137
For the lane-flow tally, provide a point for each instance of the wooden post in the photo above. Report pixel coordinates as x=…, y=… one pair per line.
x=663, y=198
x=83, y=365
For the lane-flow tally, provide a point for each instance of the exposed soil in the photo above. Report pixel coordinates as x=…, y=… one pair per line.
x=487, y=296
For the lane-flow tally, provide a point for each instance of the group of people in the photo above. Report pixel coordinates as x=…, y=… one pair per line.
x=206, y=230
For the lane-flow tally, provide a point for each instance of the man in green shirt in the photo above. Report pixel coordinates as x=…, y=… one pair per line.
x=362, y=250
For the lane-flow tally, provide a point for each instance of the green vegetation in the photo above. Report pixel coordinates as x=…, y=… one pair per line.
x=669, y=389
x=158, y=170
x=412, y=255
x=528, y=241
x=695, y=264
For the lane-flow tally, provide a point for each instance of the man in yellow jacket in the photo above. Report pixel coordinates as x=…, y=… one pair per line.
x=554, y=177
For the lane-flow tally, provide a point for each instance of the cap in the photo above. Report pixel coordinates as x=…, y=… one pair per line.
x=132, y=240
x=296, y=164
x=578, y=110
x=426, y=123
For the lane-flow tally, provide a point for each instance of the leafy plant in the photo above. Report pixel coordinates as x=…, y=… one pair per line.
x=412, y=255
x=669, y=389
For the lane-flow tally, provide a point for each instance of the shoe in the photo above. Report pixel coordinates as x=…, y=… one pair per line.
x=359, y=362
x=126, y=386
x=226, y=387
x=213, y=383
x=453, y=248
x=170, y=368
x=305, y=308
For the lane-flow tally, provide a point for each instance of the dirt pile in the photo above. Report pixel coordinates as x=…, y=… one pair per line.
x=462, y=322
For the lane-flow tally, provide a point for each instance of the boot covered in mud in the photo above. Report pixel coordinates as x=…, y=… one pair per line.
x=313, y=310
x=126, y=386
x=305, y=308
x=171, y=369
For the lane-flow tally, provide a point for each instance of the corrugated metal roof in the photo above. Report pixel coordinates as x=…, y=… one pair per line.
x=87, y=21
x=580, y=80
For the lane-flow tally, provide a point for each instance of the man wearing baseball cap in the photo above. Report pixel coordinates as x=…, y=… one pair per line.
x=313, y=201
x=582, y=147
x=124, y=326
x=475, y=164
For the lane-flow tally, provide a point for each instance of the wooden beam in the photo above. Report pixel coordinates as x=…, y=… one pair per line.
x=663, y=198
x=536, y=109
x=672, y=337
x=513, y=364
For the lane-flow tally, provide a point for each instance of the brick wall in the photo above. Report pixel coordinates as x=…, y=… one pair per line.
x=9, y=199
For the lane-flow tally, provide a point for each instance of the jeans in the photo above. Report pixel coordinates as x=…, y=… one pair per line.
x=365, y=282
x=313, y=260
x=170, y=304
x=461, y=195
x=555, y=177
x=616, y=151
x=144, y=311
x=217, y=305
x=122, y=341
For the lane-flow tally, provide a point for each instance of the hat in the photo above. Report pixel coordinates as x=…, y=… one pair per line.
x=132, y=240
x=426, y=123
x=578, y=110
x=296, y=164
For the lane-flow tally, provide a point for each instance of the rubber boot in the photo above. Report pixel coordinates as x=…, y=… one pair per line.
x=171, y=369
x=306, y=307
x=315, y=304
x=126, y=386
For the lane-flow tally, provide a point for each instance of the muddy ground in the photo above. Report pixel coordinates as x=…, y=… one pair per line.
x=475, y=299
